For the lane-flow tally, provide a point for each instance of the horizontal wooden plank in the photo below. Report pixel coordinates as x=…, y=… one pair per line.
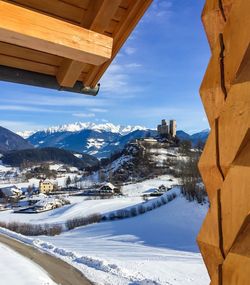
x=78, y=3
x=29, y=54
x=51, y=35
x=27, y=65
x=57, y=8
x=97, y=18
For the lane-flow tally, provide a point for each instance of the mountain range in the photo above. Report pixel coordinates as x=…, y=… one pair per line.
x=100, y=140
x=80, y=126
x=194, y=138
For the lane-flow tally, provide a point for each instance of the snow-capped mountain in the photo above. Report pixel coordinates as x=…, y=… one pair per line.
x=100, y=140
x=79, y=126
x=25, y=134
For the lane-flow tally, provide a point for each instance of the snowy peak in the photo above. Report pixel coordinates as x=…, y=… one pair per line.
x=79, y=126
x=25, y=134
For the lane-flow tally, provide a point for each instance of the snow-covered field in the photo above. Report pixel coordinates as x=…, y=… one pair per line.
x=148, y=186
x=16, y=269
x=155, y=248
x=79, y=207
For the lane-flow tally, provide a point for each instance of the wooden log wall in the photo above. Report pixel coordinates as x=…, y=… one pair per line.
x=224, y=238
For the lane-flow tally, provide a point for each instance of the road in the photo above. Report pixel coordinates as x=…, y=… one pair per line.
x=59, y=271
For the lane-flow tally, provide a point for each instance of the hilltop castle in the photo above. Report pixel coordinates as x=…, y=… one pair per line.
x=167, y=128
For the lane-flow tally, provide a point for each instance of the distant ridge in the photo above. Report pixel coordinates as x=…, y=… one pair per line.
x=37, y=156
x=100, y=140
x=11, y=141
x=79, y=126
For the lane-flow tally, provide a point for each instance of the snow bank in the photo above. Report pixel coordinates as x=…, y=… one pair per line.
x=16, y=269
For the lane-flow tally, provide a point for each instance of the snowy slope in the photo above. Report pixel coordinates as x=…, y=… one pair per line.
x=16, y=269
x=148, y=186
x=155, y=248
x=79, y=207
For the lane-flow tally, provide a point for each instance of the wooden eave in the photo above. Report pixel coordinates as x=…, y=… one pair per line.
x=69, y=41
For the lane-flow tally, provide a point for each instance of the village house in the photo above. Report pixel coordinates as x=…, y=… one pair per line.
x=108, y=188
x=46, y=186
x=10, y=193
x=62, y=169
x=162, y=188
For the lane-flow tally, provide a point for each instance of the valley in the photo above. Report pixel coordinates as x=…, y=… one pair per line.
x=135, y=233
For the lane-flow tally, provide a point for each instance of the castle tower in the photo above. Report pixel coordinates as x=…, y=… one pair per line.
x=172, y=128
x=163, y=129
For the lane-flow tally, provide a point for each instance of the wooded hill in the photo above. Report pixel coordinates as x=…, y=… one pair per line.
x=29, y=157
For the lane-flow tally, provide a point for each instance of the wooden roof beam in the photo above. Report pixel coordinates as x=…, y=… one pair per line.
x=37, y=31
x=97, y=19
x=137, y=9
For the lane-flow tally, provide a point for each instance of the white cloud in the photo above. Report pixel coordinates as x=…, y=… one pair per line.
x=133, y=65
x=118, y=80
x=51, y=100
x=21, y=108
x=84, y=115
x=98, y=110
x=160, y=9
x=129, y=50
x=17, y=126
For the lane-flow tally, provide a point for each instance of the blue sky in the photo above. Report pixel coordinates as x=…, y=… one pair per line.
x=156, y=75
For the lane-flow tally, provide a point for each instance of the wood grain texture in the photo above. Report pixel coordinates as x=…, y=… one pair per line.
x=96, y=19
x=225, y=162
x=40, y=32
x=69, y=39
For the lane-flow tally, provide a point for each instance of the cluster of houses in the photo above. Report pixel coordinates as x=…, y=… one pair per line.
x=13, y=193
x=8, y=175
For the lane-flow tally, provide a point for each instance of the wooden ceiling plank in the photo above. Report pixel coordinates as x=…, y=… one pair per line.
x=27, y=65
x=29, y=54
x=51, y=35
x=56, y=8
x=83, y=4
x=136, y=11
x=97, y=19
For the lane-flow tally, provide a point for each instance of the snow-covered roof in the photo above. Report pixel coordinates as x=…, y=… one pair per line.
x=162, y=186
x=150, y=140
x=11, y=191
x=48, y=181
x=110, y=185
